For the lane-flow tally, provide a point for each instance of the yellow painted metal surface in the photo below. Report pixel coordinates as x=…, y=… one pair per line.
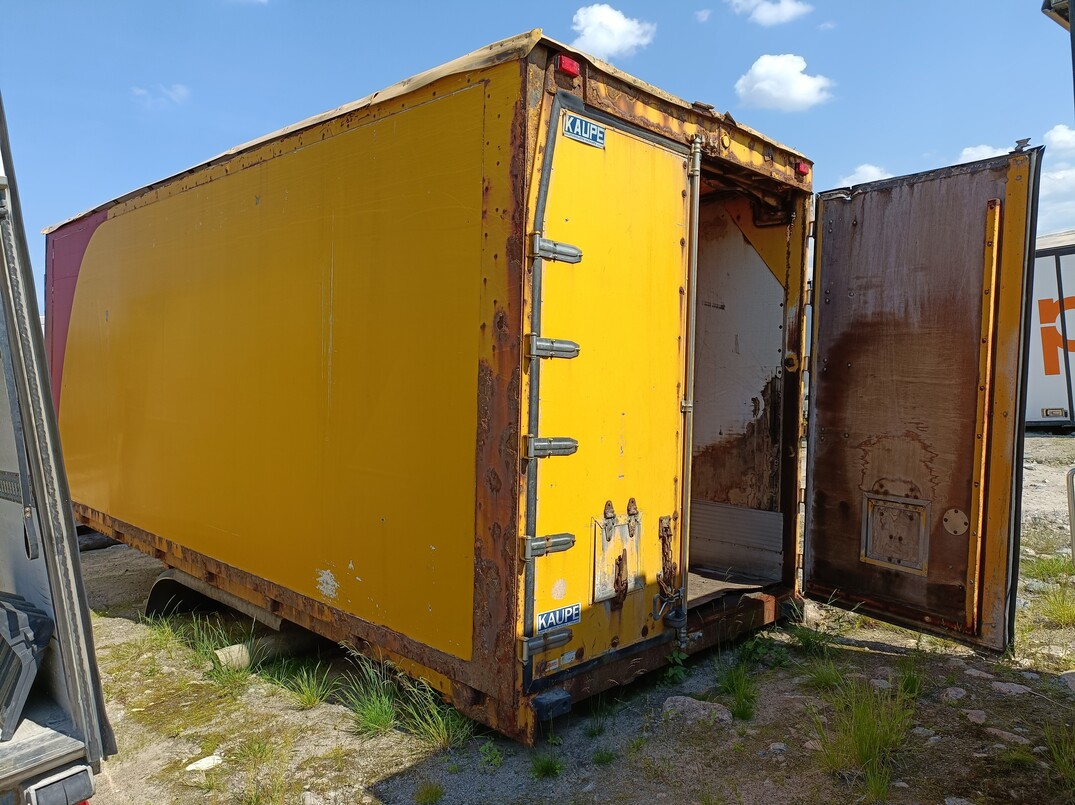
x=238, y=348
x=625, y=207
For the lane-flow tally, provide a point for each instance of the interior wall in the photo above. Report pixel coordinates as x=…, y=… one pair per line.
x=735, y=481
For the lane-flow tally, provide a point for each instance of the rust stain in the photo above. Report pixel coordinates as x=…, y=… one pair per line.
x=744, y=469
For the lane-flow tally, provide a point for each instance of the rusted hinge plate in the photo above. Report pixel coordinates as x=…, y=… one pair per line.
x=544, y=446
x=551, y=347
x=554, y=543
x=554, y=250
x=529, y=646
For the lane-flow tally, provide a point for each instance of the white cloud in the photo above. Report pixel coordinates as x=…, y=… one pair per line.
x=975, y=152
x=780, y=82
x=770, y=12
x=160, y=97
x=606, y=32
x=1060, y=137
x=865, y=173
x=702, y=15
x=826, y=26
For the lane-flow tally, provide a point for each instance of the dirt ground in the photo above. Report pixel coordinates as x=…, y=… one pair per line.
x=980, y=728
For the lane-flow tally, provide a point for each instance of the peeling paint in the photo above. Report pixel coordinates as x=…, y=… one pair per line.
x=327, y=584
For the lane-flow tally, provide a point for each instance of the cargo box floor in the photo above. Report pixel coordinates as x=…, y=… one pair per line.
x=706, y=583
x=43, y=739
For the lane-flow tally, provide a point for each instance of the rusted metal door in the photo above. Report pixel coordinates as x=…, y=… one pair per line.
x=915, y=426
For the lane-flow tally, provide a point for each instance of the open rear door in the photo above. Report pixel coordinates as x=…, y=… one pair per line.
x=914, y=471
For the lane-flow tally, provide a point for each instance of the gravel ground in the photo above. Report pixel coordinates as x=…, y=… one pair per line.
x=977, y=732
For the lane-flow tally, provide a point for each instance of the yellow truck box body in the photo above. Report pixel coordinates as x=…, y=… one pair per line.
x=450, y=371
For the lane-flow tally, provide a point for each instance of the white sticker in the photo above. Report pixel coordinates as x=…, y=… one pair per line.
x=583, y=130
x=554, y=618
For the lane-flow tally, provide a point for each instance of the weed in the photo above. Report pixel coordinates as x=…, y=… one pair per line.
x=813, y=642
x=824, y=675
x=1061, y=743
x=676, y=671
x=603, y=757
x=599, y=713
x=635, y=744
x=312, y=685
x=254, y=752
x=491, y=756
x=1016, y=758
x=232, y=681
x=865, y=729
x=372, y=692
x=211, y=781
x=453, y=767
x=1058, y=607
x=763, y=650
x=429, y=793
x=1047, y=568
x=544, y=765
x=423, y=713
x=738, y=684
x=908, y=676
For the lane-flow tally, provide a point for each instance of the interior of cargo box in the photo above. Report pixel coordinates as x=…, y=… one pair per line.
x=735, y=540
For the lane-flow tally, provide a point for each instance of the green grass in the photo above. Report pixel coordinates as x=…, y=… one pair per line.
x=1061, y=744
x=424, y=714
x=1058, y=607
x=909, y=678
x=812, y=642
x=1047, y=568
x=603, y=757
x=544, y=765
x=371, y=692
x=429, y=793
x=599, y=714
x=823, y=674
x=863, y=733
x=763, y=650
x=737, y=683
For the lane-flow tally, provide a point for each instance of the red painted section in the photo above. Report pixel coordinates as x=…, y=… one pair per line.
x=64, y=250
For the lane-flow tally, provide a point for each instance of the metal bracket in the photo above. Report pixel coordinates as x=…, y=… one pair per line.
x=544, y=446
x=529, y=646
x=554, y=250
x=551, y=347
x=539, y=546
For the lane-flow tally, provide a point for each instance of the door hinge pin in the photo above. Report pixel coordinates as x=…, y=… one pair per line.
x=554, y=250
x=529, y=646
x=551, y=347
x=686, y=406
x=544, y=446
x=539, y=546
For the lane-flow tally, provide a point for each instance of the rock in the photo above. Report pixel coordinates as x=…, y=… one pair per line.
x=1068, y=678
x=922, y=732
x=1021, y=603
x=1011, y=688
x=1007, y=737
x=206, y=763
x=695, y=712
x=956, y=662
x=310, y=798
x=934, y=739
x=1031, y=675
x=975, y=716
x=957, y=801
x=900, y=784
x=800, y=680
x=881, y=684
x=812, y=746
x=953, y=694
x=884, y=672
x=978, y=674
x=1037, y=586
x=778, y=748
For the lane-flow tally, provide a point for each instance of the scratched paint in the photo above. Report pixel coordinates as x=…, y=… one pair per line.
x=327, y=583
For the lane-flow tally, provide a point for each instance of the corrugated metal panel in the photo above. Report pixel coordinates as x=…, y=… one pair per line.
x=745, y=541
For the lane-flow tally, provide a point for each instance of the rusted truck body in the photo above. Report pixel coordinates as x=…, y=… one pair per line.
x=498, y=372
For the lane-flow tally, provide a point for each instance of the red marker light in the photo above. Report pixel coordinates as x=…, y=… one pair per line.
x=802, y=168
x=568, y=66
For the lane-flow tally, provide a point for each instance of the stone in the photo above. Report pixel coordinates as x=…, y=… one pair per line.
x=812, y=746
x=979, y=674
x=953, y=694
x=975, y=716
x=1007, y=737
x=922, y=732
x=800, y=680
x=1011, y=688
x=934, y=739
x=957, y=801
x=884, y=672
x=881, y=684
x=206, y=763
x=900, y=784
x=1068, y=678
x=695, y=712
x=956, y=662
x=1031, y=675
x=1037, y=586
x=777, y=748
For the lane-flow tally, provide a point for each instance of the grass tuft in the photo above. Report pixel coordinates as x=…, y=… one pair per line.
x=424, y=713
x=429, y=793
x=866, y=728
x=1058, y=607
x=371, y=692
x=737, y=683
x=1061, y=744
x=603, y=757
x=908, y=676
x=544, y=765
x=1054, y=569
x=823, y=674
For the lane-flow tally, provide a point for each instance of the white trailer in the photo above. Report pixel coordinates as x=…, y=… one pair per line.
x=1050, y=400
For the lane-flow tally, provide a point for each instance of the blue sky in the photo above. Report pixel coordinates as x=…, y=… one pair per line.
x=104, y=97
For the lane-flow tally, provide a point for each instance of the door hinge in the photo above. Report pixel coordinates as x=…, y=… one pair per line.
x=543, y=446
x=539, y=546
x=552, y=347
x=553, y=250
x=529, y=646
x=813, y=229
